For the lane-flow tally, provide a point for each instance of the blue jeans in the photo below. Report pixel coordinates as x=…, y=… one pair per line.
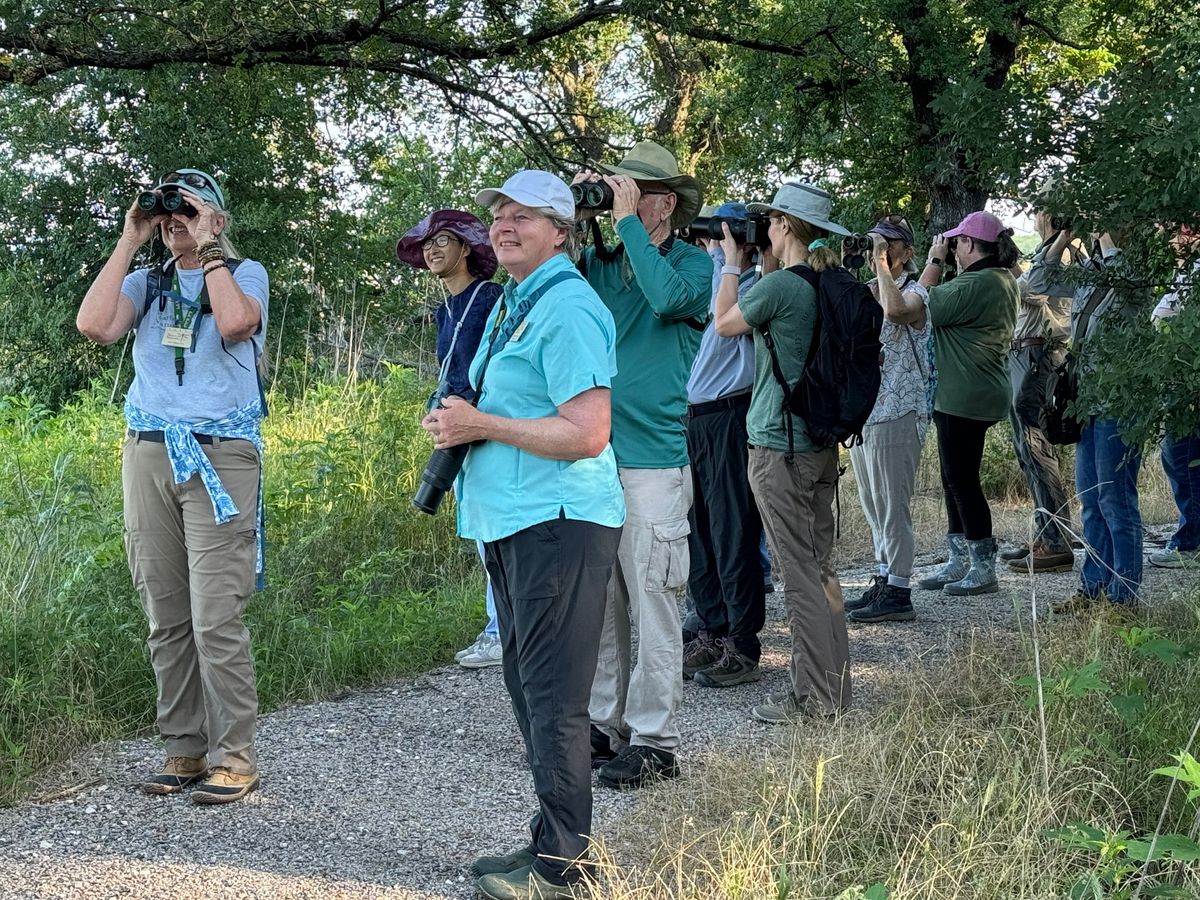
x=1181, y=462
x=1106, y=471
x=492, y=629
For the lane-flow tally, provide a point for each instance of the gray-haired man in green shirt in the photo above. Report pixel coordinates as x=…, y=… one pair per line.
x=657, y=289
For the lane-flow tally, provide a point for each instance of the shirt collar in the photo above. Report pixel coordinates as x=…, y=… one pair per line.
x=560, y=262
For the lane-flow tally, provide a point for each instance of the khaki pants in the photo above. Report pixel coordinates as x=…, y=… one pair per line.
x=796, y=505
x=639, y=704
x=194, y=578
x=885, y=465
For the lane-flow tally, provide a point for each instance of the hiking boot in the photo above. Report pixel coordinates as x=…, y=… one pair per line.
x=981, y=576
x=637, y=766
x=602, y=750
x=1043, y=559
x=894, y=605
x=732, y=668
x=1018, y=551
x=177, y=773
x=879, y=584
x=954, y=569
x=701, y=653
x=526, y=884
x=786, y=711
x=1078, y=602
x=502, y=865
x=1174, y=558
x=487, y=651
x=224, y=786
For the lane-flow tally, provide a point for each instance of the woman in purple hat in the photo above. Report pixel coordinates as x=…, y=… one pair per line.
x=454, y=246
x=973, y=318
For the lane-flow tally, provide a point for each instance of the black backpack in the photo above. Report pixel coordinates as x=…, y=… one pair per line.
x=840, y=381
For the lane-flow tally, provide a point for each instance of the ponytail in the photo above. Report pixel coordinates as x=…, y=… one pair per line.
x=1003, y=248
x=819, y=258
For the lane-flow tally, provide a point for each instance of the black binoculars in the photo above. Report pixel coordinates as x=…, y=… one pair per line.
x=592, y=195
x=751, y=230
x=164, y=203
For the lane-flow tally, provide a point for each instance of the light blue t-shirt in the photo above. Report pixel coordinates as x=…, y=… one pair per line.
x=216, y=379
x=566, y=346
x=724, y=365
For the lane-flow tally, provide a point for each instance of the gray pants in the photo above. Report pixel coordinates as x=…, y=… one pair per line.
x=885, y=466
x=194, y=578
x=638, y=703
x=549, y=582
x=1028, y=369
x=795, y=501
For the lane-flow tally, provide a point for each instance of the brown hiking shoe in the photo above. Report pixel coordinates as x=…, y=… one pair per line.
x=224, y=786
x=1078, y=602
x=701, y=653
x=1043, y=559
x=177, y=773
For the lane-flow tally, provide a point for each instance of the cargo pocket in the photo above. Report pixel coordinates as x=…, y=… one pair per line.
x=668, y=569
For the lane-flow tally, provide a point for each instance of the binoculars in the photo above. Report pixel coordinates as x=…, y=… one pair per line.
x=592, y=195
x=751, y=230
x=164, y=203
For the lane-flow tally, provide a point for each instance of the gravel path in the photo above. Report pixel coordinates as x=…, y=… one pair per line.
x=390, y=793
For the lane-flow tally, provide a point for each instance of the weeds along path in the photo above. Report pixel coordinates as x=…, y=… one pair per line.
x=390, y=793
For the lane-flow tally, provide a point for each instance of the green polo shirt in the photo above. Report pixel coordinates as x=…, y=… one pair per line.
x=564, y=348
x=973, y=318
x=787, y=305
x=651, y=297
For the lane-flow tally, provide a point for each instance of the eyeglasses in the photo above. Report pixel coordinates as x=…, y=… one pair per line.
x=440, y=240
x=191, y=179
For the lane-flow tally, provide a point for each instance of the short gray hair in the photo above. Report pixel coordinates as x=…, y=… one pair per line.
x=571, y=245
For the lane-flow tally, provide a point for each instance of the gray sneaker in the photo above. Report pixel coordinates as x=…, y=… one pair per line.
x=486, y=652
x=1175, y=559
x=789, y=711
x=467, y=651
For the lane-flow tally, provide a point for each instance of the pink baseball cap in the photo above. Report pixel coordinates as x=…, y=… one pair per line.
x=982, y=226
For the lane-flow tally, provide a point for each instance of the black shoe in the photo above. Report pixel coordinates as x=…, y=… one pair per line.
x=895, y=605
x=502, y=865
x=602, y=751
x=638, y=766
x=732, y=668
x=1020, y=551
x=878, y=586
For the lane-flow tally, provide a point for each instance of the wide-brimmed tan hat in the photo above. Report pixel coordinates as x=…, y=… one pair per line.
x=648, y=161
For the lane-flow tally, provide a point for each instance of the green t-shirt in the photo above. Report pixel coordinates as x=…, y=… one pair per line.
x=651, y=297
x=787, y=305
x=973, y=318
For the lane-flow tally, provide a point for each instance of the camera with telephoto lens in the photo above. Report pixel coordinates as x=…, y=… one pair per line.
x=855, y=250
x=751, y=230
x=164, y=203
x=1060, y=223
x=443, y=465
x=592, y=195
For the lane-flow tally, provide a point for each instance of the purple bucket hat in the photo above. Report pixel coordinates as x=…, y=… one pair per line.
x=481, y=262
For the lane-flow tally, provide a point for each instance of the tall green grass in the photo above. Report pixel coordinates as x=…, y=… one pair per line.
x=361, y=587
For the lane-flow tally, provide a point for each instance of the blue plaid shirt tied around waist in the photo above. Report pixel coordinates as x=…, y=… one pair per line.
x=186, y=458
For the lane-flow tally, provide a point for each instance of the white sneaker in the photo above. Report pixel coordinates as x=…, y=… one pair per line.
x=1175, y=559
x=485, y=652
x=469, y=650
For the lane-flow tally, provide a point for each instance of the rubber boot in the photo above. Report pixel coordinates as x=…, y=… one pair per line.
x=981, y=577
x=954, y=569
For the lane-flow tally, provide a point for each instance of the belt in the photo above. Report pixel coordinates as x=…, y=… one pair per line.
x=1027, y=342
x=712, y=406
x=157, y=437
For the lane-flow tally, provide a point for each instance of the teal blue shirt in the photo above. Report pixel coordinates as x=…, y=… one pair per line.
x=566, y=346
x=652, y=297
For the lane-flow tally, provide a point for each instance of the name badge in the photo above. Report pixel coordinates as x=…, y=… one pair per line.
x=516, y=335
x=173, y=336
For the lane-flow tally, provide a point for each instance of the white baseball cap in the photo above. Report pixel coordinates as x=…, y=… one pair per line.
x=534, y=188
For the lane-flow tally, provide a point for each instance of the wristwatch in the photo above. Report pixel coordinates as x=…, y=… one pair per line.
x=934, y=261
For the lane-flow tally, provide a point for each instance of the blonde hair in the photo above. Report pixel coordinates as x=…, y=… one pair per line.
x=223, y=241
x=821, y=258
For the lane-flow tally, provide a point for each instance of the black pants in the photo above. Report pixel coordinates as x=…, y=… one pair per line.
x=1028, y=370
x=726, y=576
x=960, y=447
x=550, y=583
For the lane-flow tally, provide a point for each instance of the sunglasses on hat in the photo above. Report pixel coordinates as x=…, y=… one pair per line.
x=191, y=179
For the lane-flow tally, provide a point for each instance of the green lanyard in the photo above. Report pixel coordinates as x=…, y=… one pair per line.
x=185, y=313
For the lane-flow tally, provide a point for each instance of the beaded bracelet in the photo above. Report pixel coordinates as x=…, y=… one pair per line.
x=212, y=267
x=211, y=256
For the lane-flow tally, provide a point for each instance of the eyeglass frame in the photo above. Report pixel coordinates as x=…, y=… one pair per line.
x=440, y=240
